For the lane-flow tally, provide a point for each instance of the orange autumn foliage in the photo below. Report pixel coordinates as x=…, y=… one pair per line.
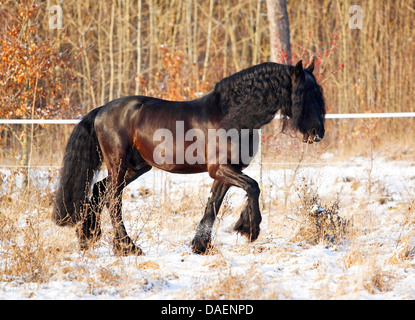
x=34, y=74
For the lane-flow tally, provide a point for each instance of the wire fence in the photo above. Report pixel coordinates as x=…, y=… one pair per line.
x=278, y=116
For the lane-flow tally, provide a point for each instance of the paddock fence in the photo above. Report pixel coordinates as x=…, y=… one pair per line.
x=278, y=116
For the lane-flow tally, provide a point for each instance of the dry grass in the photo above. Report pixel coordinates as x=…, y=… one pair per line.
x=347, y=248
x=28, y=251
x=319, y=223
x=227, y=285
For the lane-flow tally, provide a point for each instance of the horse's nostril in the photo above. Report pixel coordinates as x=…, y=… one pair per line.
x=314, y=132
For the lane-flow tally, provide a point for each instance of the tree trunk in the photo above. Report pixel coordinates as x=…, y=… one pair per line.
x=138, y=68
x=208, y=43
x=279, y=28
x=111, y=94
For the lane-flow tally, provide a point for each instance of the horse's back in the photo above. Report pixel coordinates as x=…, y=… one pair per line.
x=133, y=123
x=169, y=119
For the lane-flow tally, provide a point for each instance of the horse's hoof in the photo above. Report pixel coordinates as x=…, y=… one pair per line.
x=254, y=234
x=242, y=228
x=251, y=233
x=126, y=248
x=200, y=246
x=87, y=237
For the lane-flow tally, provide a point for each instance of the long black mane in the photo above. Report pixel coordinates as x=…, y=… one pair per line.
x=250, y=98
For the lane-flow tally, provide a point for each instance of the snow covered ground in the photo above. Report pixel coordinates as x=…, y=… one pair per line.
x=374, y=260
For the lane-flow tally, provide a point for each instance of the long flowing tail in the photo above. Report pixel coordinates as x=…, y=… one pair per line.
x=81, y=160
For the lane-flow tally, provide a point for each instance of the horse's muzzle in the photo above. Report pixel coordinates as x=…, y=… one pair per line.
x=312, y=136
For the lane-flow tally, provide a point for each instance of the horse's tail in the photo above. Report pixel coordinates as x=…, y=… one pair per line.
x=82, y=158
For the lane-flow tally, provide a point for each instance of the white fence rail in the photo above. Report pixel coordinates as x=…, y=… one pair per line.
x=278, y=116
x=39, y=121
x=370, y=115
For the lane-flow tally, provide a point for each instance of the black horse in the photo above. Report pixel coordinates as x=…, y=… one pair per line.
x=122, y=134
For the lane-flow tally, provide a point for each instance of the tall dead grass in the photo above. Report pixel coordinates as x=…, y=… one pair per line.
x=370, y=246
x=361, y=70
x=28, y=248
x=319, y=223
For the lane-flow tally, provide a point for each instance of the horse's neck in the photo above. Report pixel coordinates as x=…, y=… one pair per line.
x=258, y=102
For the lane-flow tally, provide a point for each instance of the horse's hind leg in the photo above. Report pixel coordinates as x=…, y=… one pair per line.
x=88, y=229
x=123, y=245
x=201, y=241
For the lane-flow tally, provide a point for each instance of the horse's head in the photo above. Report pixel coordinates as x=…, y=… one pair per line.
x=308, y=108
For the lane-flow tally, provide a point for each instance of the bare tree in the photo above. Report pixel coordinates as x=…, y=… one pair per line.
x=279, y=28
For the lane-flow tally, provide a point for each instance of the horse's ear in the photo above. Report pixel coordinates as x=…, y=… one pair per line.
x=298, y=69
x=310, y=67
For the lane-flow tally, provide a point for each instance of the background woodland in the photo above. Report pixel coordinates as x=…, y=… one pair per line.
x=178, y=49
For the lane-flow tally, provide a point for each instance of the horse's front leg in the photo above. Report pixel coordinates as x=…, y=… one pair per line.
x=201, y=241
x=250, y=219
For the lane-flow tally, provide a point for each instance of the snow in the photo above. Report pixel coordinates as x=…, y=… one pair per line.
x=161, y=213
